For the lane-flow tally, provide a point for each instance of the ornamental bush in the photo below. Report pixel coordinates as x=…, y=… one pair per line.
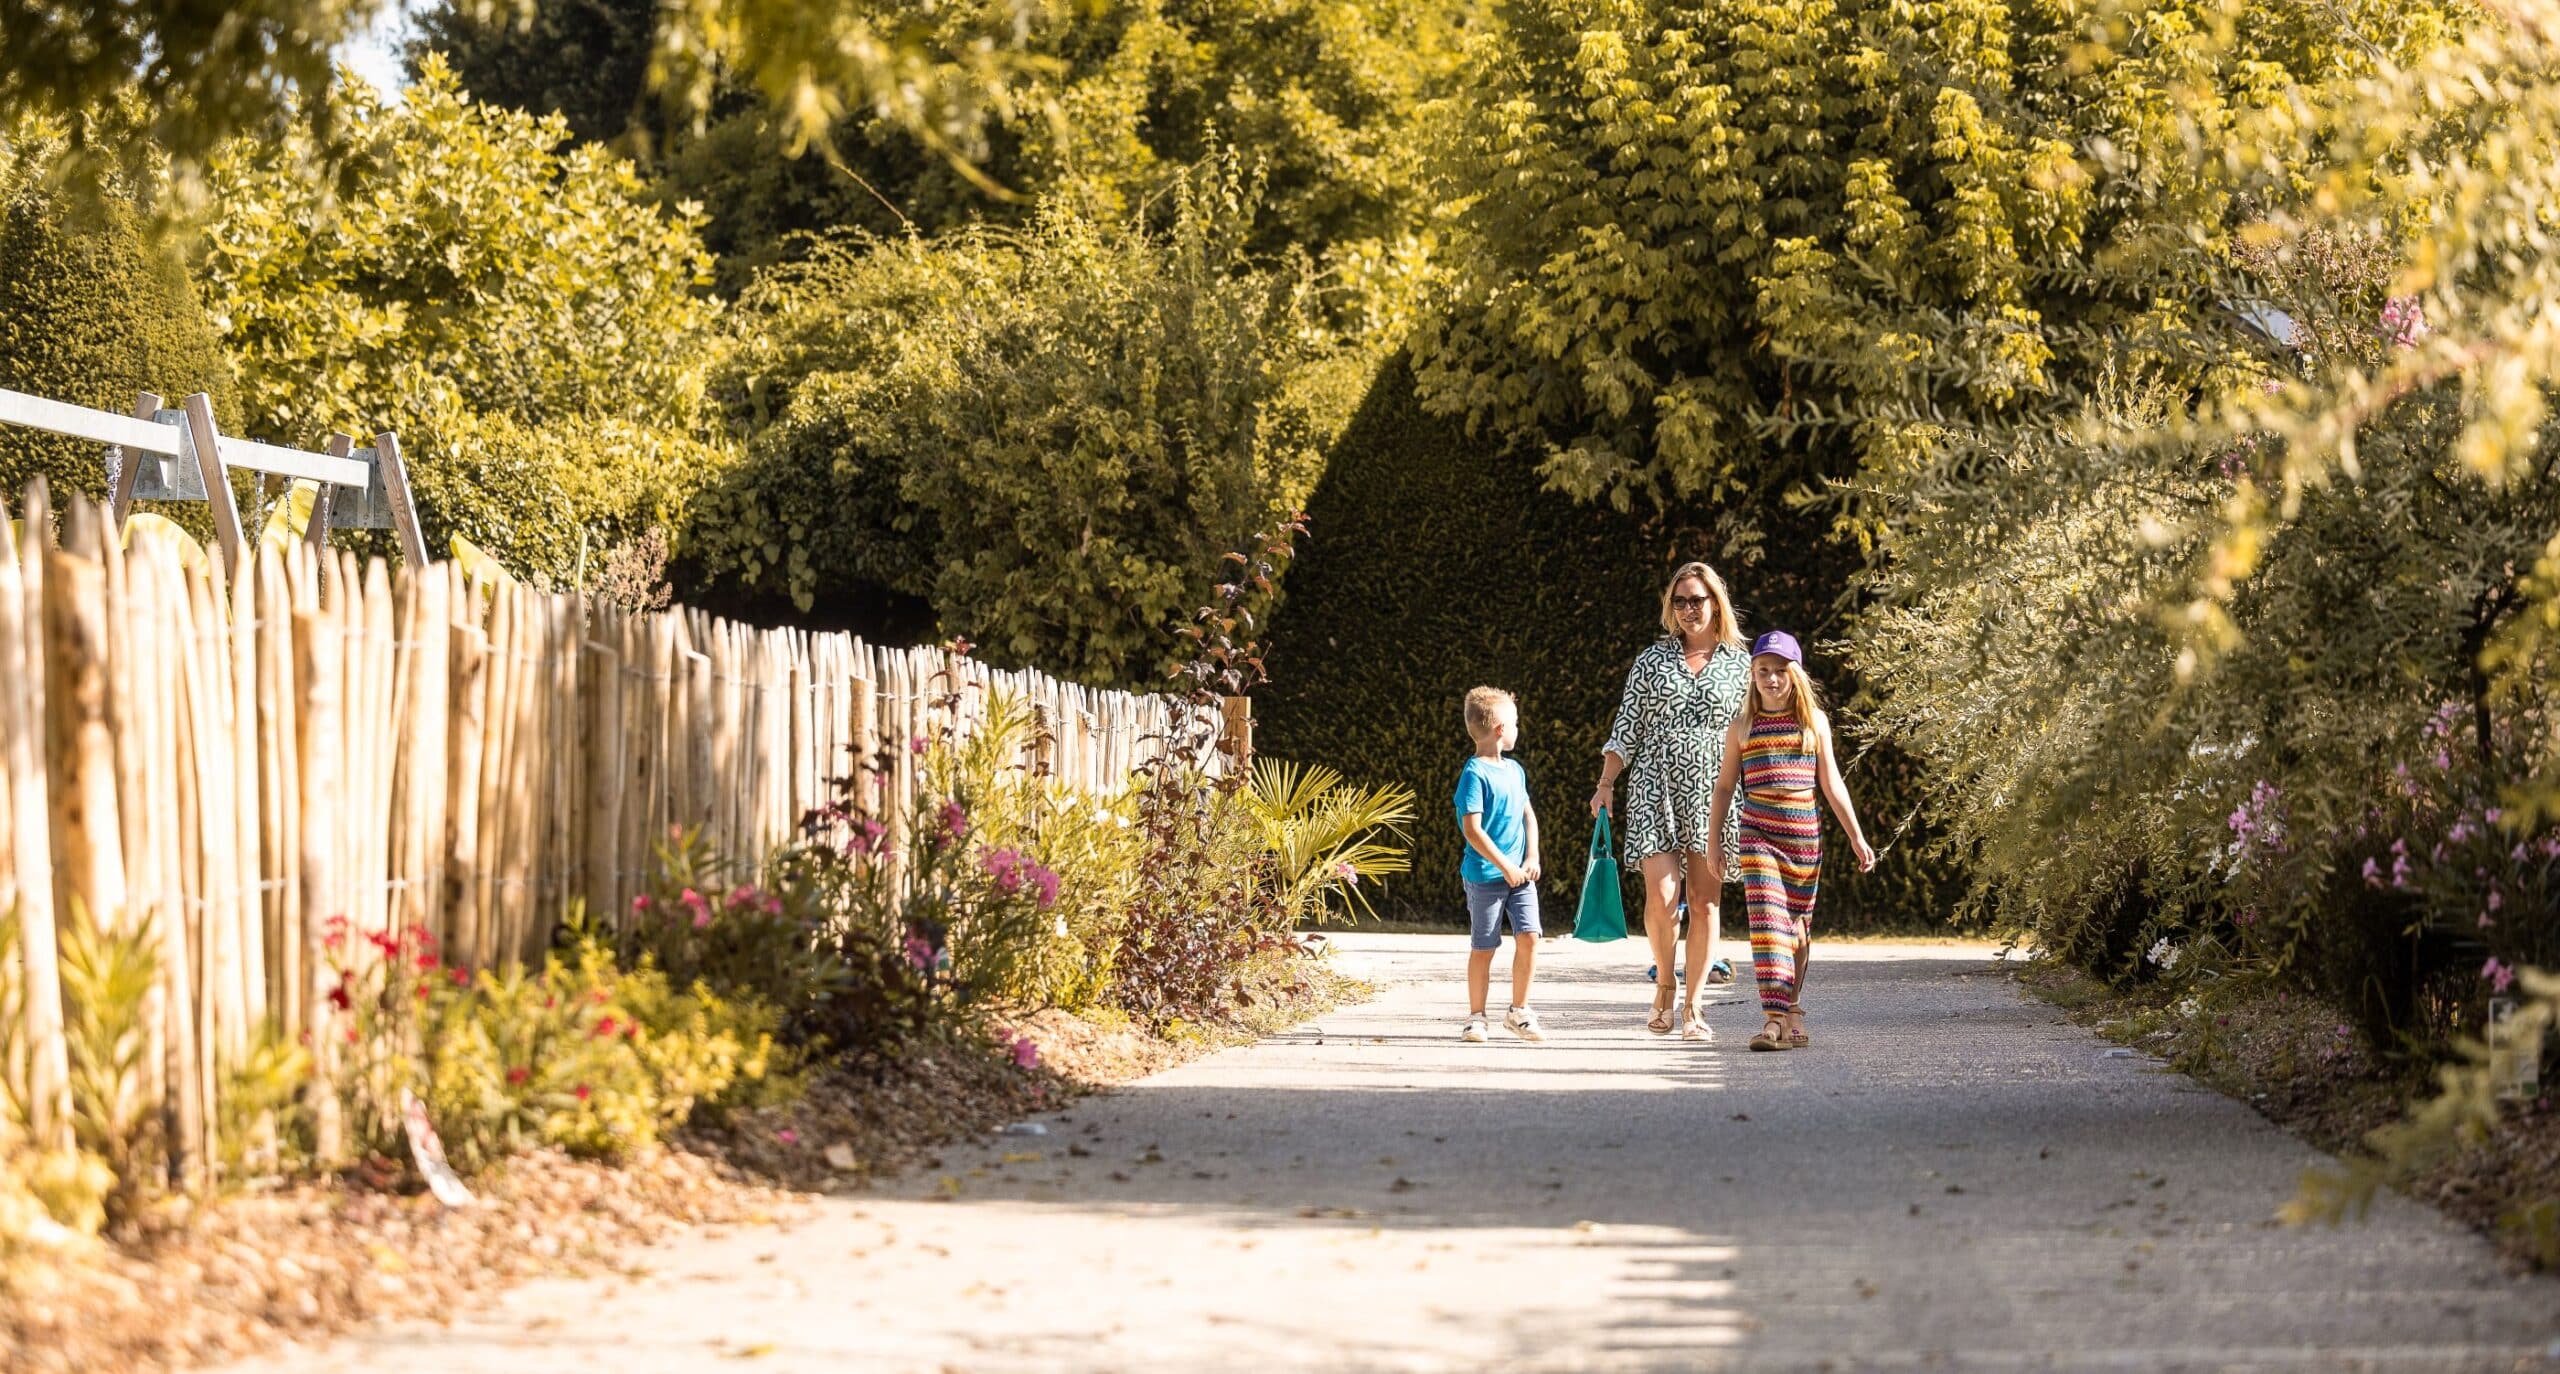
x=93, y=312
x=514, y=305
x=1050, y=435
x=1436, y=562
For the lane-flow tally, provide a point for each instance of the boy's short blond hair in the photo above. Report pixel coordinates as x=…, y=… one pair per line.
x=1480, y=704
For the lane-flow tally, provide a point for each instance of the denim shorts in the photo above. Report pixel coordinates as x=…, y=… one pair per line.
x=1489, y=904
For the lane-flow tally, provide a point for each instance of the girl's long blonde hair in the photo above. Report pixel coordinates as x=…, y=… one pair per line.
x=1721, y=624
x=1804, y=704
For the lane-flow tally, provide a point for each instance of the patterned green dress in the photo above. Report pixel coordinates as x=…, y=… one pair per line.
x=1670, y=730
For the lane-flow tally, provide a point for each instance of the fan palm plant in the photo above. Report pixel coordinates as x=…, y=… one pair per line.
x=1324, y=835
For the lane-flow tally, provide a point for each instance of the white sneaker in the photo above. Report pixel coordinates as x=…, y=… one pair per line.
x=1523, y=1022
x=1474, y=1033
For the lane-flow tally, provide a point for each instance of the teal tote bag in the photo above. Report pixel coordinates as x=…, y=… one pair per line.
x=1603, y=914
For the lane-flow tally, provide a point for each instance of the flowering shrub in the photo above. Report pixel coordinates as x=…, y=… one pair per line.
x=579, y=1053
x=2416, y=901
x=707, y=919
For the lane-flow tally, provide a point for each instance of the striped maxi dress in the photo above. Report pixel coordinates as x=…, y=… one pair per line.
x=1781, y=854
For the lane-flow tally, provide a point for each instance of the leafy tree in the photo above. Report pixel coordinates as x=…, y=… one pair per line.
x=92, y=311
x=584, y=60
x=1110, y=108
x=515, y=307
x=183, y=75
x=2245, y=641
x=1704, y=248
x=1051, y=434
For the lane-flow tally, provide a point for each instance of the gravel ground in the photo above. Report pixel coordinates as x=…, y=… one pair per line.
x=1952, y=1177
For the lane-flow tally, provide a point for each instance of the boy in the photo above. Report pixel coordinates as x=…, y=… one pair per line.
x=1500, y=869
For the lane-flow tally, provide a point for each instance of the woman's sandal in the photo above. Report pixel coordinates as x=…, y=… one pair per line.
x=1660, y=1022
x=1772, y=1036
x=1795, y=1029
x=1694, y=1026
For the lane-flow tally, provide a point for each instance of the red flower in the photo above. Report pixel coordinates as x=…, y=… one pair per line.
x=351, y=1035
x=340, y=998
x=518, y=1074
x=604, y=1027
x=461, y=976
x=582, y=1092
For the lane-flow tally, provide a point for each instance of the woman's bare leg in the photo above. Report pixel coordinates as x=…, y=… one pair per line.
x=1661, y=930
x=1703, y=918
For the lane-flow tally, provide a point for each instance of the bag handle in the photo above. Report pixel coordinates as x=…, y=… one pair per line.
x=1603, y=845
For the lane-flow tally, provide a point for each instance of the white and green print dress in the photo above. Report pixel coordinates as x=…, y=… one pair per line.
x=1670, y=730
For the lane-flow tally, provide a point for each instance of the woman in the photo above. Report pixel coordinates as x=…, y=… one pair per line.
x=1681, y=695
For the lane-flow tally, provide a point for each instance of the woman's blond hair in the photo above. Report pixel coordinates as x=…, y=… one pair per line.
x=1804, y=705
x=1721, y=623
x=1480, y=704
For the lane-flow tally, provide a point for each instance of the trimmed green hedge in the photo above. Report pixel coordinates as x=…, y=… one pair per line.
x=93, y=313
x=1434, y=563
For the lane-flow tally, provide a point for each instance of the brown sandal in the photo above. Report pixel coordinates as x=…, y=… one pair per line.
x=1795, y=1033
x=1772, y=1036
x=1660, y=1022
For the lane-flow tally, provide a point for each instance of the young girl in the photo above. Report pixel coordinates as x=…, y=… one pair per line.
x=1779, y=749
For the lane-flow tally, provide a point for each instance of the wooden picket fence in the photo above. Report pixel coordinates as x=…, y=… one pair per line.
x=236, y=762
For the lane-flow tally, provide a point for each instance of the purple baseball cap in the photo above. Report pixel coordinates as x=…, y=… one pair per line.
x=1778, y=642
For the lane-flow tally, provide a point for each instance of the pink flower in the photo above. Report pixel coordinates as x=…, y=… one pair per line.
x=955, y=820
x=1026, y=1054
x=700, y=907
x=2372, y=873
x=867, y=837
x=641, y=903
x=1005, y=866
x=743, y=895
x=1045, y=883
x=916, y=745
x=787, y=1136
x=2404, y=320
x=773, y=906
x=919, y=951
x=2499, y=975
x=1347, y=872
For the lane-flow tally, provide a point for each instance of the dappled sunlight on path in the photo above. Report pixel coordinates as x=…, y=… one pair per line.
x=1949, y=1178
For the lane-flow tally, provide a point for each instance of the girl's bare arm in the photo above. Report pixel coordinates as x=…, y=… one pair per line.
x=1826, y=765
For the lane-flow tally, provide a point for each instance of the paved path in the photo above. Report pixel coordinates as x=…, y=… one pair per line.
x=1951, y=1178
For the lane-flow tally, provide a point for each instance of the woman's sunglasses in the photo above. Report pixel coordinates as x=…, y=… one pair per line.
x=1688, y=603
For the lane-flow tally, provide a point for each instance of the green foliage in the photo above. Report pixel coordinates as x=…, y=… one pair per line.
x=1323, y=836
x=1436, y=564
x=704, y=920
x=517, y=309
x=93, y=312
x=1706, y=249
x=2464, y=1110
x=108, y=982
x=580, y=1053
x=1050, y=434
x=184, y=75
x=1109, y=107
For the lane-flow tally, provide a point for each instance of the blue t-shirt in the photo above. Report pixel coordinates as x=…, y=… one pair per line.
x=1498, y=790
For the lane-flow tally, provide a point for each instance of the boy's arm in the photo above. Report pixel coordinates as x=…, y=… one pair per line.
x=1734, y=735
x=1472, y=826
x=1529, y=826
x=1836, y=790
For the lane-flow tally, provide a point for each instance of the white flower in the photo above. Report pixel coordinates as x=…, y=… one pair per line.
x=2163, y=953
x=2190, y=1008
